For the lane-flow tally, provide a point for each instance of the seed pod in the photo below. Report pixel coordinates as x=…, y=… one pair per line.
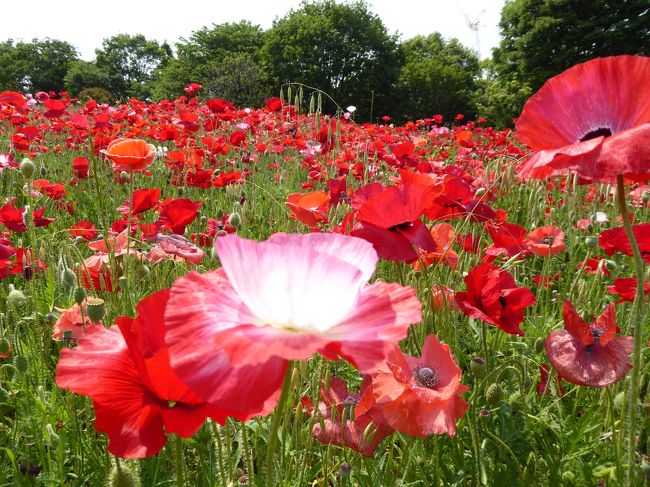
x=95, y=308
x=27, y=168
x=79, y=295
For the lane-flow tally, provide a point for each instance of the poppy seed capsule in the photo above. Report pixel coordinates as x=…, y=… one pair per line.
x=95, y=309
x=79, y=295
x=27, y=168
x=123, y=477
x=494, y=395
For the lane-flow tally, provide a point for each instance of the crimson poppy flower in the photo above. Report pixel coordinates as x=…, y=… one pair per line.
x=544, y=241
x=349, y=419
x=493, y=296
x=228, y=178
x=592, y=119
x=130, y=154
x=286, y=298
x=192, y=88
x=625, y=289
x=615, y=239
x=542, y=386
x=14, y=99
x=589, y=354
x=137, y=397
x=508, y=238
x=389, y=218
x=177, y=213
x=421, y=396
x=13, y=218
x=141, y=201
x=40, y=220
x=273, y=104
x=80, y=167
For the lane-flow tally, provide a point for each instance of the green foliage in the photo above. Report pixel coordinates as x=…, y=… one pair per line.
x=130, y=62
x=82, y=75
x=40, y=65
x=541, y=38
x=342, y=49
x=100, y=95
x=438, y=76
x=220, y=58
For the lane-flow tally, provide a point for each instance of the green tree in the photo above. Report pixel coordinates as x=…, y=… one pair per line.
x=541, y=38
x=34, y=66
x=82, y=75
x=131, y=61
x=438, y=76
x=206, y=53
x=341, y=48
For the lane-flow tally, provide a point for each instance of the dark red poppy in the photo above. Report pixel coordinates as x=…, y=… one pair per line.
x=592, y=119
x=493, y=296
x=80, y=167
x=85, y=230
x=217, y=105
x=389, y=218
x=543, y=387
x=273, y=104
x=625, y=289
x=142, y=200
x=508, y=240
x=55, y=108
x=349, y=419
x=589, y=354
x=40, y=220
x=192, y=88
x=227, y=178
x=176, y=214
x=615, y=239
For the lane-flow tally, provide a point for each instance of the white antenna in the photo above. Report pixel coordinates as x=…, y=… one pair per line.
x=474, y=26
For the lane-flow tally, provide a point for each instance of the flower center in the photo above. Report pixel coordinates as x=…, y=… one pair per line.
x=596, y=333
x=548, y=240
x=401, y=226
x=602, y=131
x=426, y=377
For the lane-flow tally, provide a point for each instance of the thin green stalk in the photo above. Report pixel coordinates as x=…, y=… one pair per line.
x=277, y=416
x=615, y=434
x=179, y=462
x=222, y=468
x=636, y=320
x=250, y=468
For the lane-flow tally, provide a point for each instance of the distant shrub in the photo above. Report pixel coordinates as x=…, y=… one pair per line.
x=100, y=95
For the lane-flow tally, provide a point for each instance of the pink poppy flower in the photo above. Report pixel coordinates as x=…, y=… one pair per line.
x=289, y=297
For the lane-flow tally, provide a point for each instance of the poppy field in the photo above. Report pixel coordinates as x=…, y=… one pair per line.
x=199, y=294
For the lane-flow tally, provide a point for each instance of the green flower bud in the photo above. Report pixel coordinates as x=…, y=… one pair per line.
x=235, y=219
x=141, y=271
x=123, y=477
x=16, y=298
x=68, y=279
x=21, y=363
x=494, y=395
x=539, y=345
x=5, y=346
x=477, y=367
x=27, y=168
x=79, y=295
x=591, y=242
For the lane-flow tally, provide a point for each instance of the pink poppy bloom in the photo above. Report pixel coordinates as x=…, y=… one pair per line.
x=175, y=247
x=592, y=119
x=72, y=320
x=288, y=298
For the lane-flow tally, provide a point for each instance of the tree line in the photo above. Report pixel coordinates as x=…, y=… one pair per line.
x=345, y=50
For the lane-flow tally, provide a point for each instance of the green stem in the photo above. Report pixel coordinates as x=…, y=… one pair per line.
x=277, y=416
x=178, y=461
x=249, y=457
x=222, y=468
x=636, y=320
x=615, y=435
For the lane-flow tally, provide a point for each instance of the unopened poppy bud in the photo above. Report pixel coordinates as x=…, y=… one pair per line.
x=590, y=227
x=124, y=176
x=243, y=480
x=95, y=308
x=516, y=402
x=27, y=168
x=68, y=279
x=21, y=363
x=123, y=477
x=79, y=239
x=122, y=281
x=5, y=345
x=611, y=265
x=480, y=192
x=494, y=395
x=591, y=242
x=477, y=367
x=539, y=345
x=344, y=470
x=79, y=295
x=235, y=219
x=42, y=171
x=16, y=298
x=645, y=197
x=141, y=271
x=569, y=476
x=484, y=415
x=619, y=402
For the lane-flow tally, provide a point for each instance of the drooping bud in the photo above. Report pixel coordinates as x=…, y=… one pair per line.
x=68, y=279
x=591, y=242
x=123, y=477
x=494, y=395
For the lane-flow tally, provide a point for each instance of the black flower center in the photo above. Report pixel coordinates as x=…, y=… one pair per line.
x=401, y=226
x=596, y=333
x=426, y=377
x=602, y=131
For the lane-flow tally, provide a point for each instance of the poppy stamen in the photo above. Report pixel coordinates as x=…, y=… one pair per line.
x=602, y=131
x=596, y=333
x=426, y=377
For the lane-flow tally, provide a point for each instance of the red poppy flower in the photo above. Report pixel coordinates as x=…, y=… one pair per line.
x=421, y=396
x=141, y=201
x=273, y=104
x=130, y=154
x=493, y=296
x=508, y=239
x=548, y=240
x=40, y=220
x=137, y=397
x=14, y=99
x=589, y=354
x=625, y=288
x=13, y=218
x=389, y=219
x=350, y=420
x=80, y=167
x=543, y=387
x=285, y=299
x=309, y=208
x=592, y=119
x=176, y=214
x=192, y=88
x=228, y=178
x=615, y=239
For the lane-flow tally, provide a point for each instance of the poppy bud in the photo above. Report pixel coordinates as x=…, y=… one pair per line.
x=141, y=271
x=95, y=308
x=539, y=345
x=645, y=197
x=122, y=281
x=79, y=295
x=590, y=227
x=68, y=279
x=477, y=367
x=5, y=346
x=123, y=477
x=42, y=171
x=484, y=415
x=619, y=402
x=516, y=402
x=16, y=298
x=591, y=242
x=479, y=192
x=344, y=470
x=21, y=363
x=494, y=395
x=124, y=176
x=235, y=219
x=611, y=265
x=27, y=168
